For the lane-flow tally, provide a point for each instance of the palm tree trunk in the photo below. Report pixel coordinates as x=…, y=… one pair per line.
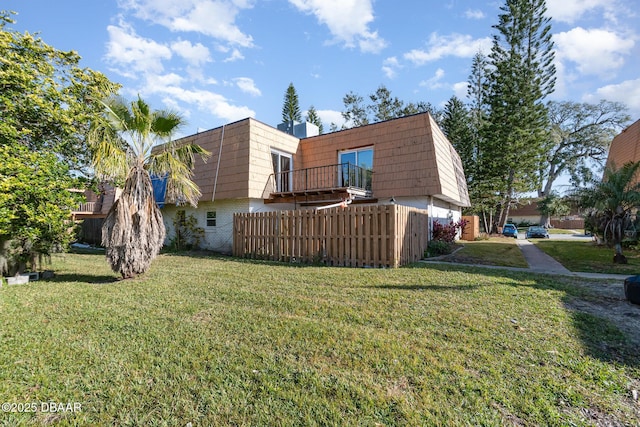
x=133, y=231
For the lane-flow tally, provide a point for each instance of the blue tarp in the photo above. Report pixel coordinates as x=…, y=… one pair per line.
x=159, y=189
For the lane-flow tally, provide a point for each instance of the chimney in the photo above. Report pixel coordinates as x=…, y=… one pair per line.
x=299, y=130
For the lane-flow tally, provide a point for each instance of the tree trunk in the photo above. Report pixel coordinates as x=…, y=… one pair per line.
x=5, y=267
x=133, y=231
x=618, y=258
x=545, y=221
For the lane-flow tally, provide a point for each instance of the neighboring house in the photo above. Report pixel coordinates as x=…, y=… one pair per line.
x=527, y=212
x=92, y=212
x=625, y=147
x=254, y=167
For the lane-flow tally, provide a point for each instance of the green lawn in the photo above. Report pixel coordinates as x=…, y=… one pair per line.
x=589, y=257
x=218, y=341
x=501, y=251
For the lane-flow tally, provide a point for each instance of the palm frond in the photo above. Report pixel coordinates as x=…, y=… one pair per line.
x=176, y=163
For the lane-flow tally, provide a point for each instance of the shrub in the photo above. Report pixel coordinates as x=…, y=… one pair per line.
x=187, y=233
x=438, y=247
x=447, y=232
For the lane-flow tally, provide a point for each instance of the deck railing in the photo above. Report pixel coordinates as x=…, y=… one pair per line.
x=344, y=175
x=91, y=207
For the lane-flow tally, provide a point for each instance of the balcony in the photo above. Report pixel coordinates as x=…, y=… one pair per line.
x=319, y=185
x=88, y=210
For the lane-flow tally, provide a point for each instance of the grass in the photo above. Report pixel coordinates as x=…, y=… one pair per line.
x=589, y=257
x=219, y=341
x=501, y=251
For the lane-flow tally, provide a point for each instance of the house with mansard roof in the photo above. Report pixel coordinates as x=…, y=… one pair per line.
x=625, y=147
x=255, y=167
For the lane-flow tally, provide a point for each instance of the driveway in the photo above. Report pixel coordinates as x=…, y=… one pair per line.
x=576, y=237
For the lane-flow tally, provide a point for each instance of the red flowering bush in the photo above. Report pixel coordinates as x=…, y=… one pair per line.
x=447, y=232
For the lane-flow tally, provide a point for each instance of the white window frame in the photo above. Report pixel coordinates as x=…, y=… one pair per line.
x=214, y=218
x=278, y=166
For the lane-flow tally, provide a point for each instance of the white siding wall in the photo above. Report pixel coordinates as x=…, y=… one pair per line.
x=438, y=210
x=220, y=237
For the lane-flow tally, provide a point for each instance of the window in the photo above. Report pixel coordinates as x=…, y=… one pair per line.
x=282, y=168
x=211, y=219
x=357, y=167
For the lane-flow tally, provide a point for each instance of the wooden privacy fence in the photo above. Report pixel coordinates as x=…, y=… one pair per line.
x=355, y=236
x=568, y=224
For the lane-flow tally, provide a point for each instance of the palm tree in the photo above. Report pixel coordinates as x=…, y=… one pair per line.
x=612, y=202
x=127, y=144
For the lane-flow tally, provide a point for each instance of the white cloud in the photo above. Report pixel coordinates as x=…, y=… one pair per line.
x=215, y=18
x=214, y=103
x=247, y=85
x=474, y=14
x=347, y=20
x=435, y=81
x=236, y=55
x=155, y=82
x=595, y=51
x=331, y=116
x=572, y=10
x=194, y=54
x=390, y=67
x=627, y=92
x=132, y=54
x=459, y=45
x=460, y=89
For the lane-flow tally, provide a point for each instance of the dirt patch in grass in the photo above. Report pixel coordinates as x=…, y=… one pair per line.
x=607, y=300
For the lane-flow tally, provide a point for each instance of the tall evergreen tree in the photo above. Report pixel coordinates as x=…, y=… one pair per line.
x=522, y=75
x=482, y=189
x=456, y=125
x=312, y=117
x=291, y=107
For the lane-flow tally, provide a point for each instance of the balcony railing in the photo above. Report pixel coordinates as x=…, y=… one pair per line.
x=322, y=178
x=90, y=207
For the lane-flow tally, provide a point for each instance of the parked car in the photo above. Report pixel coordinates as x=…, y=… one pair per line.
x=537, y=232
x=510, y=230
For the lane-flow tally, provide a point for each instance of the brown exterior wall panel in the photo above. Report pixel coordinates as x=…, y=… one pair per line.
x=245, y=163
x=625, y=147
x=263, y=140
x=403, y=154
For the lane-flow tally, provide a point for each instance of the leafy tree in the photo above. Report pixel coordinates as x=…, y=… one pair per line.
x=133, y=232
x=46, y=105
x=552, y=205
x=612, y=202
x=579, y=139
x=312, y=117
x=383, y=107
x=35, y=205
x=291, y=106
x=47, y=101
x=355, y=114
x=521, y=75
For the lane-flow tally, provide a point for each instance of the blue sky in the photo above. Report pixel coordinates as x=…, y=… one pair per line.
x=217, y=61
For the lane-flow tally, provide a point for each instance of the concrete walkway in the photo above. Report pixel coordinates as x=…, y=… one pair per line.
x=540, y=263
